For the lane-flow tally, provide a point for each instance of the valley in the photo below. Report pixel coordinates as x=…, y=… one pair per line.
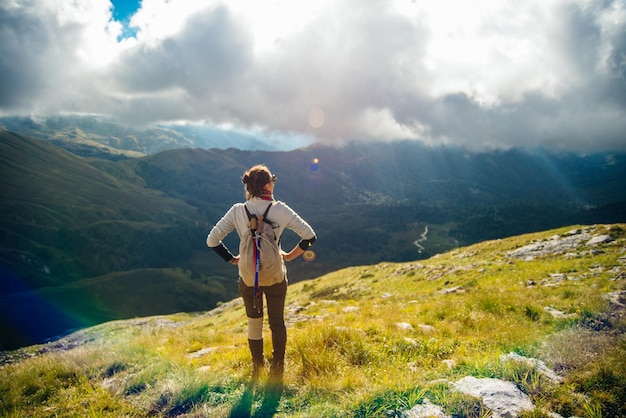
x=70, y=224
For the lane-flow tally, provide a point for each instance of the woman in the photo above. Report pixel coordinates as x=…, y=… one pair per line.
x=259, y=186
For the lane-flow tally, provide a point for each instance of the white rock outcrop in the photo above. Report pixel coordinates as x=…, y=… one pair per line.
x=503, y=398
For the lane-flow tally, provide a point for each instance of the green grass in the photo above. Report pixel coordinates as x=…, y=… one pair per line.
x=363, y=341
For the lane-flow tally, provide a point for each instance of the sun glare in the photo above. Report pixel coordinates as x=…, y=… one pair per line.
x=269, y=23
x=489, y=49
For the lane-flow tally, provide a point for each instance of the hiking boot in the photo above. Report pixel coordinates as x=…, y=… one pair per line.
x=258, y=361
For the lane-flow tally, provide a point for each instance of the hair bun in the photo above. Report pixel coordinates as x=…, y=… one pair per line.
x=255, y=180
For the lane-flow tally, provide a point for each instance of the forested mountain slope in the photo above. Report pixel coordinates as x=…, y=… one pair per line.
x=67, y=219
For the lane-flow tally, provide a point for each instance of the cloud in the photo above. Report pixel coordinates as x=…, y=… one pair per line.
x=479, y=74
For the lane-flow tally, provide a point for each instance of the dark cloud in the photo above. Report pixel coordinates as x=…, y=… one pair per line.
x=208, y=55
x=32, y=57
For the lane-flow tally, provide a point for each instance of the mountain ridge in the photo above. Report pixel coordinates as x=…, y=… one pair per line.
x=65, y=218
x=103, y=137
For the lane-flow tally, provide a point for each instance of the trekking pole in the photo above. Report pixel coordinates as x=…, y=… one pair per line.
x=257, y=253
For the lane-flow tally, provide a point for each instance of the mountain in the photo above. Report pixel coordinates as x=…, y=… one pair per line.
x=528, y=326
x=102, y=137
x=49, y=196
x=67, y=220
x=370, y=202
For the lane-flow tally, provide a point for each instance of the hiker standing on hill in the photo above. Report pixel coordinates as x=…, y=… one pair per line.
x=254, y=279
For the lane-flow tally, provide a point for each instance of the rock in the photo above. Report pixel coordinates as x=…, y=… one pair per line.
x=599, y=239
x=617, y=298
x=427, y=329
x=202, y=352
x=404, y=326
x=554, y=415
x=295, y=313
x=410, y=341
x=537, y=364
x=503, y=398
x=222, y=307
x=450, y=363
x=552, y=245
x=559, y=277
x=408, y=268
x=451, y=290
x=425, y=410
x=558, y=314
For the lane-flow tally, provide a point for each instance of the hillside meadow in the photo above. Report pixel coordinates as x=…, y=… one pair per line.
x=371, y=340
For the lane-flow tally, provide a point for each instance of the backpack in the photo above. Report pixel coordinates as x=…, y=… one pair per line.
x=271, y=268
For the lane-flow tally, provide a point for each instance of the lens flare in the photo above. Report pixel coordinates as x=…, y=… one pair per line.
x=316, y=117
x=314, y=164
x=308, y=255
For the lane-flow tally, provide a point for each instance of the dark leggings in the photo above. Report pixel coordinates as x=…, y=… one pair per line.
x=275, y=297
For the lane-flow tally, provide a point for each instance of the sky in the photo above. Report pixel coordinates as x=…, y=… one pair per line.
x=483, y=74
x=123, y=10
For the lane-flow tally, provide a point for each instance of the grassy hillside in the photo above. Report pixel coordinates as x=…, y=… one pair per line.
x=371, y=340
x=66, y=218
x=63, y=214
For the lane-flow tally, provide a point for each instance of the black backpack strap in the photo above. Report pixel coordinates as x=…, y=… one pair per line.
x=267, y=210
x=250, y=216
x=253, y=220
x=267, y=221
